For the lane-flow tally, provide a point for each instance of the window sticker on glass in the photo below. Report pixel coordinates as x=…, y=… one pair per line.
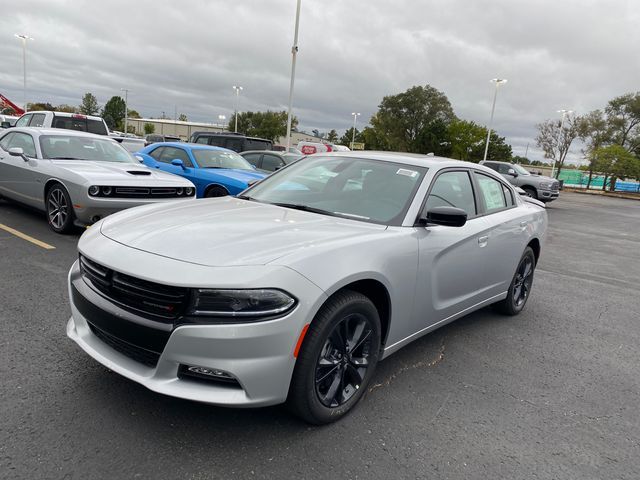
x=407, y=173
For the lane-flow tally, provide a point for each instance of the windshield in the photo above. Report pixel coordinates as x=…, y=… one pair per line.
x=67, y=147
x=520, y=170
x=220, y=159
x=361, y=189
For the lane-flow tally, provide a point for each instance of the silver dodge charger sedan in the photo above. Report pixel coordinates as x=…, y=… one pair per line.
x=79, y=178
x=294, y=290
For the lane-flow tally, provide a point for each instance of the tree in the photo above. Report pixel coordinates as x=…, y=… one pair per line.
x=348, y=135
x=555, y=139
x=464, y=137
x=40, y=106
x=623, y=116
x=373, y=140
x=133, y=114
x=63, y=107
x=89, y=105
x=182, y=118
x=270, y=125
x=615, y=161
x=332, y=136
x=113, y=113
x=594, y=130
x=149, y=128
x=415, y=120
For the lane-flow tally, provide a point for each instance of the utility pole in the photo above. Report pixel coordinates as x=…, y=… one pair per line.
x=24, y=39
x=498, y=82
x=237, y=89
x=353, y=136
x=126, y=107
x=294, y=52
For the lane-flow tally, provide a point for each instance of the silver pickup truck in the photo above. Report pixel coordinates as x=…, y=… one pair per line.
x=545, y=189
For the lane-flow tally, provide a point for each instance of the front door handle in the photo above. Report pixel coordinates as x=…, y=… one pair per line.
x=482, y=241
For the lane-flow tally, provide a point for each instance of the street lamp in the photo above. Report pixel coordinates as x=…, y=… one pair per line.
x=294, y=52
x=564, y=112
x=237, y=89
x=24, y=39
x=222, y=118
x=353, y=137
x=126, y=106
x=498, y=82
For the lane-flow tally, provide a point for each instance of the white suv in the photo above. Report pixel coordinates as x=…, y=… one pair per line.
x=67, y=121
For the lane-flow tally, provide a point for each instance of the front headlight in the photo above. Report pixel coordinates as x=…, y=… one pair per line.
x=545, y=185
x=241, y=303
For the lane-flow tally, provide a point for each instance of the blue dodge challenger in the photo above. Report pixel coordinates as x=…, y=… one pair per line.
x=214, y=171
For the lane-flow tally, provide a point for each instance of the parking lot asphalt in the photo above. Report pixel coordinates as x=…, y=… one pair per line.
x=553, y=393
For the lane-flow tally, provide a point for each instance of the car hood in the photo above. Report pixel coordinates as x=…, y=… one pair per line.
x=119, y=173
x=244, y=176
x=228, y=231
x=543, y=178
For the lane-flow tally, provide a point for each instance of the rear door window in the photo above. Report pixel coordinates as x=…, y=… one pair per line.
x=491, y=192
x=37, y=120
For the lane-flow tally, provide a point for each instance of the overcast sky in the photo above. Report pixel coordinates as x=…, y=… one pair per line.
x=574, y=54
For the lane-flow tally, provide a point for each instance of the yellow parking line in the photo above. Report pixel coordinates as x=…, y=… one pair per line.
x=26, y=237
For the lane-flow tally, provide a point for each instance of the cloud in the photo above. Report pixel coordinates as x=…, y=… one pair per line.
x=187, y=55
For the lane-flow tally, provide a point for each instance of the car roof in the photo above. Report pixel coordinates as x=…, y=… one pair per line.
x=66, y=114
x=39, y=131
x=275, y=152
x=192, y=146
x=415, y=159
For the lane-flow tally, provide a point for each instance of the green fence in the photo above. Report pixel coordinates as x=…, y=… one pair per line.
x=578, y=178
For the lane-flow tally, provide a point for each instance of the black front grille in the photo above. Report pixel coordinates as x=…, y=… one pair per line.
x=555, y=186
x=146, y=357
x=153, y=299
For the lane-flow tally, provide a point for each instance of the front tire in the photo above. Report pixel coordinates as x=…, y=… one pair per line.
x=216, y=191
x=520, y=287
x=531, y=192
x=337, y=359
x=59, y=209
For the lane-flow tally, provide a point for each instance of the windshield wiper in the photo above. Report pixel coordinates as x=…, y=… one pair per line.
x=66, y=158
x=246, y=197
x=305, y=208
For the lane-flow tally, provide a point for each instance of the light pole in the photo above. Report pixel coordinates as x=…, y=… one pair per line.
x=24, y=39
x=222, y=118
x=126, y=106
x=294, y=52
x=237, y=89
x=563, y=112
x=498, y=82
x=353, y=137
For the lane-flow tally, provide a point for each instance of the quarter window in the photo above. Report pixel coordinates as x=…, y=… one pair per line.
x=492, y=192
x=452, y=189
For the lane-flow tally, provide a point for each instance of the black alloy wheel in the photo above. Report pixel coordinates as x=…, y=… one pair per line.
x=59, y=209
x=520, y=288
x=337, y=359
x=344, y=360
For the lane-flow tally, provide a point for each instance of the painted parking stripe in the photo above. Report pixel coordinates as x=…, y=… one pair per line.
x=26, y=237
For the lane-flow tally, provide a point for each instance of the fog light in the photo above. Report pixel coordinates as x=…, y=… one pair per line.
x=209, y=374
x=106, y=190
x=94, y=190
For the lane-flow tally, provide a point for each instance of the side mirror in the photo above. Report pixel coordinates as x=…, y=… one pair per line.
x=18, y=152
x=139, y=158
x=512, y=172
x=178, y=163
x=446, y=216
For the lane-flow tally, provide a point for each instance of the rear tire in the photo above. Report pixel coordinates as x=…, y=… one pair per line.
x=338, y=357
x=520, y=287
x=216, y=191
x=59, y=209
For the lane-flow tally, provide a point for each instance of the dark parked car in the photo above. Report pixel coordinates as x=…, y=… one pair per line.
x=269, y=161
x=232, y=141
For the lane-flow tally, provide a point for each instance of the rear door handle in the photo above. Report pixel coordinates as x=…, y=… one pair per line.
x=482, y=241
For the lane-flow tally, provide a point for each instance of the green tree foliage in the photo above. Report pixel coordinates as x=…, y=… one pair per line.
x=270, y=125
x=89, y=105
x=149, y=128
x=623, y=117
x=133, y=114
x=348, y=135
x=555, y=138
x=465, y=137
x=415, y=120
x=182, y=118
x=63, y=107
x=615, y=161
x=113, y=113
x=373, y=140
x=40, y=106
x=332, y=136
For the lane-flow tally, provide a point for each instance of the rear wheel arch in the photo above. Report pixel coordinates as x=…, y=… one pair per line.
x=534, y=243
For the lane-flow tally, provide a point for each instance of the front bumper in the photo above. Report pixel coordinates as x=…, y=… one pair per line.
x=258, y=355
x=91, y=209
x=547, y=195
